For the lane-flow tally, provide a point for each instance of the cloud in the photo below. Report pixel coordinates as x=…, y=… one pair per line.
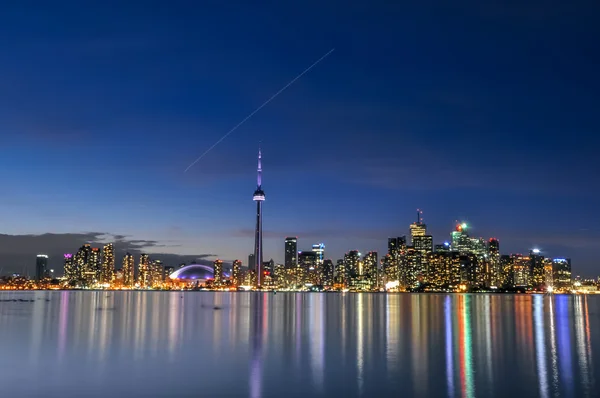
x=18, y=252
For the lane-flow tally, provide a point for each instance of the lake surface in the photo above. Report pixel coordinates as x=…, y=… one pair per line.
x=173, y=344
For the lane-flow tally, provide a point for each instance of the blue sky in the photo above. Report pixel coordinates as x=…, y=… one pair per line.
x=484, y=113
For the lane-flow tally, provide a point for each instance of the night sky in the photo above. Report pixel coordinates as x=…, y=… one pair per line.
x=481, y=111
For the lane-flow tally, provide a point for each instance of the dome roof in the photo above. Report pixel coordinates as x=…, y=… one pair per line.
x=194, y=272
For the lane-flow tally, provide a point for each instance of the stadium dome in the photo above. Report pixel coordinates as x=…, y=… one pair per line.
x=194, y=272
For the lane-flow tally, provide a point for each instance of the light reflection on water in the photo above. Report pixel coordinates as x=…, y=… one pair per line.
x=263, y=345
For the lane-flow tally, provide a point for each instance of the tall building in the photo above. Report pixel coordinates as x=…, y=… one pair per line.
x=108, y=263
x=339, y=274
x=236, y=273
x=70, y=271
x=319, y=250
x=537, y=273
x=460, y=239
x=41, y=267
x=156, y=274
x=291, y=252
x=423, y=243
x=370, y=270
x=82, y=265
x=169, y=269
x=307, y=262
x=493, y=250
x=417, y=228
x=92, y=274
x=218, y=272
x=144, y=271
x=328, y=273
x=128, y=269
x=259, y=197
x=561, y=274
x=351, y=266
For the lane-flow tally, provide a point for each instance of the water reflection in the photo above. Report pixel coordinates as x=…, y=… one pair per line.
x=264, y=345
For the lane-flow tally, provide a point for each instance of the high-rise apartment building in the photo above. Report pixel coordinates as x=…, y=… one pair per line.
x=351, y=266
x=144, y=271
x=108, y=264
x=537, y=273
x=561, y=275
x=328, y=273
x=370, y=270
x=128, y=269
x=236, y=273
x=493, y=251
x=92, y=274
x=84, y=266
x=71, y=273
x=319, y=250
x=218, y=272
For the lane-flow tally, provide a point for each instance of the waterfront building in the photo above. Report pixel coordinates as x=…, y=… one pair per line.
x=169, y=269
x=291, y=252
x=144, y=271
x=218, y=272
x=108, y=264
x=561, y=275
x=71, y=274
x=236, y=273
x=128, y=269
x=537, y=273
x=319, y=250
x=327, y=274
x=493, y=251
x=41, y=267
x=351, y=266
x=370, y=270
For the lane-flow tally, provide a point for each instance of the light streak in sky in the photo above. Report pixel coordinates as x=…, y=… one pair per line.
x=259, y=108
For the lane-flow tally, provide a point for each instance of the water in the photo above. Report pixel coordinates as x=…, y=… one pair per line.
x=173, y=344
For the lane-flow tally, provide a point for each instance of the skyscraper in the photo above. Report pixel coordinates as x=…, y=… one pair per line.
x=351, y=266
x=319, y=250
x=259, y=197
x=536, y=270
x=41, y=267
x=460, y=239
x=82, y=264
x=70, y=271
x=94, y=266
x=236, y=273
x=327, y=273
x=108, y=263
x=128, y=270
x=291, y=252
x=417, y=228
x=144, y=270
x=493, y=249
x=370, y=269
x=218, y=272
x=561, y=274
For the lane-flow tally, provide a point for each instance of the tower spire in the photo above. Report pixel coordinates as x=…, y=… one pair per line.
x=259, y=170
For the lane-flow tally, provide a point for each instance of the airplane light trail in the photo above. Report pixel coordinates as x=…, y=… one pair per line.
x=259, y=108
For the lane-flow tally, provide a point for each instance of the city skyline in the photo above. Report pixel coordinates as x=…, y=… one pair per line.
x=413, y=110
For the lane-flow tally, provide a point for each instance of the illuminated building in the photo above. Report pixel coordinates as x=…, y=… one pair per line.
x=561, y=274
x=83, y=266
x=327, y=275
x=460, y=239
x=417, y=228
x=548, y=277
x=506, y=267
x=218, y=272
x=108, y=264
x=236, y=273
x=155, y=274
x=128, y=269
x=291, y=252
x=351, y=266
x=339, y=278
x=71, y=274
x=258, y=197
x=520, y=269
x=410, y=269
x=144, y=270
x=92, y=274
x=41, y=267
x=370, y=271
x=423, y=243
x=536, y=270
x=493, y=250
x=319, y=250
x=397, y=262
x=307, y=261
x=444, y=271
x=472, y=270
x=169, y=269
x=250, y=261
x=389, y=269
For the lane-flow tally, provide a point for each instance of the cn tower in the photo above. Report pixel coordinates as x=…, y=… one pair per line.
x=259, y=197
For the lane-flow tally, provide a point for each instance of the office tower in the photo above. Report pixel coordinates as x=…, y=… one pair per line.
x=536, y=270
x=548, y=275
x=370, y=270
x=417, y=228
x=423, y=243
x=218, y=272
x=108, y=263
x=319, y=249
x=444, y=271
x=236, y=273
x=561, y=275
x=169, y=269
x=128, y=269
x=351, y=266
x=444, y=247
x=520, y=270
x=70, y=271
x=144, y=270
x=41, y=267
x=506, y=271
x=460, y=239
x=410, y=269
x=259, y=197
x=328, y=273
x=307, y=261
x=493, y=251
x=291, y=252
x=339, y=274
x=389, y=269
x=397, y=252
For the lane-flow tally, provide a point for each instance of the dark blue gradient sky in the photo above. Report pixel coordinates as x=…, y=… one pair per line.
x=480, y=112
